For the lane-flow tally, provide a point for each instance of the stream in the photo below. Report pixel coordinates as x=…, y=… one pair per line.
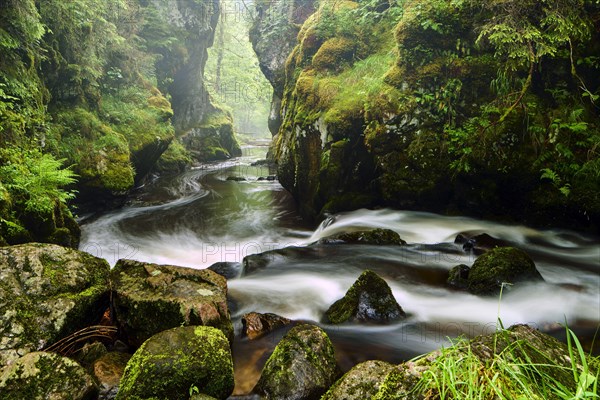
x=199, y=217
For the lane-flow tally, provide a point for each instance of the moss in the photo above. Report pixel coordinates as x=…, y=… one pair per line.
x=169, y=363
x=175, y=159
x=14, y=233
x=335, y=54
x=369, y=299
x=499, y=265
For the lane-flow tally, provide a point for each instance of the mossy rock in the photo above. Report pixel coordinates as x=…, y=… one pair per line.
x=175, y=159
x=379, y=237
x=498, y=266
x=369, y=299
x=334, y=54
x=168, y=364
x=458, y=276
x=361, y=382
x=150, y=298
x=46, y=293
x=40, y=376
x=302, y=366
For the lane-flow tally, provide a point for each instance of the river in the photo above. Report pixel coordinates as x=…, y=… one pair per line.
x=199, y=217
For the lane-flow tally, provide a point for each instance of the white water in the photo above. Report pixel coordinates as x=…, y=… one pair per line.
x=198, y=218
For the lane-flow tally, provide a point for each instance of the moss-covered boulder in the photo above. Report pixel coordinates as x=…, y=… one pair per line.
x=361, y=382
x=458, y=276
x=171, y=362
x=302, y=366
x=46, y=293
x=536, y=359
x=498, y=266
x=375, y=236
x=40, y=376
x=255, y=325
x=108, y=371
x=150, y=298
x=369, y=299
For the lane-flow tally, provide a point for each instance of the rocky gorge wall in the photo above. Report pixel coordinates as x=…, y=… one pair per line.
x=424, y=106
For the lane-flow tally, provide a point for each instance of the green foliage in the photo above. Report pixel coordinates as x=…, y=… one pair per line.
x=234, y=78
x=35, y=181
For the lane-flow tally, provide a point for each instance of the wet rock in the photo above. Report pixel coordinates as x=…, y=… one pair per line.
x=171, y=362
x=90, y=352
x=361, y=382
x=151, y=298
x=376, y=237
x=40, y=375
x=458, y=276
x=501, y=265
x=302, y=366
x=108, y=371
x=369, y=299
x=256, y=325
x=47, y=292
x=479, y=243
x=269, y=178
x=230, y=270
x=236, y=178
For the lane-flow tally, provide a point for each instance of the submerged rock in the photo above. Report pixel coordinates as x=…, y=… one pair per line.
x=302, y=366
x=369, y=299
x=458, y=276
x=374, y=236
x=47, y=292
x=479, y=243
x=171, y=362
x=230, y=270
x=40, y=375
x=151, y=298
x=108, y=371
x=361, y=382
x=256, y=325
x=498, y=266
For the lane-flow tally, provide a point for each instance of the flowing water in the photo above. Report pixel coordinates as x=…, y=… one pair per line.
x=200, y=217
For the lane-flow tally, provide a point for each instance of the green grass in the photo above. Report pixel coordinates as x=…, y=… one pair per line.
x=517, y=371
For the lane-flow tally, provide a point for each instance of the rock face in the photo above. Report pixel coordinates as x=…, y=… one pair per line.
x=302, y=366
x=499, y=265
x=108, y=371
x=40, y=375
x=171, y=362
x=46, y=293
x=205, y=129
x=273, y=36
x=374, y=236
x=150, y=298
x=256, y=325
x=361, y=382
x=369, y=299
x=360, y=127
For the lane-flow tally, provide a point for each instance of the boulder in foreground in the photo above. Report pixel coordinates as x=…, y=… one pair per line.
x=47, y=292
x=151, y=298
x=303, y=366
x=171, y=362
x=40, y=375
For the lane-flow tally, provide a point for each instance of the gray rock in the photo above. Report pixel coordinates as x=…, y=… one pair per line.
x=369, y=299
x=151, y=298
x=40, y=376
x=302, y=366
x=47, y=292
x=361, y=382
x=171, y=362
